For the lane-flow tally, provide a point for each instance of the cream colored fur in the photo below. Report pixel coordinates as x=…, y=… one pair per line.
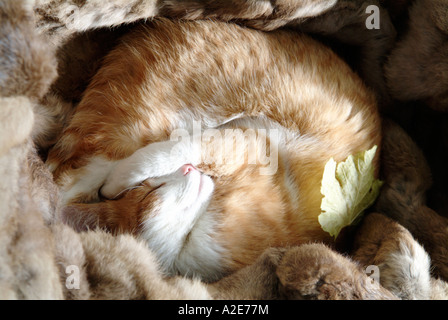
x=17, y=118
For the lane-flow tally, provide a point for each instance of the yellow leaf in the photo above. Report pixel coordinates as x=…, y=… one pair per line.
x=348, y=188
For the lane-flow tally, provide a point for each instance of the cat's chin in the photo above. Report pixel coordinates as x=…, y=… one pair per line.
x=179, y=223
x=183, y=190
x=196, y=193
x=205, y=188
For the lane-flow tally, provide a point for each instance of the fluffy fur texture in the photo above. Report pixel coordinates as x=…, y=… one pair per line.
x=227, y=77
x=352, y=33
x=417, y=68
x=404, y=193
x=307, y=272
x=403, y=264
x=36, y=248
x=108, y=269
x=24, y=54
x=26, y=265
x=62, y=21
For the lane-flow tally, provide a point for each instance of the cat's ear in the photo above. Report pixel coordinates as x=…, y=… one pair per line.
x=86, y=216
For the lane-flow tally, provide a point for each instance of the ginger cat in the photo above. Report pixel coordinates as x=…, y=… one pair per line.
x=147, y=150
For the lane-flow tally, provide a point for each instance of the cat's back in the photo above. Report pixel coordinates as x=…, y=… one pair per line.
x=167, y=71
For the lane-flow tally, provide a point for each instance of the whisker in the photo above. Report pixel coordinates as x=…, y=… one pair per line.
x=126, y=190
x=151, y=191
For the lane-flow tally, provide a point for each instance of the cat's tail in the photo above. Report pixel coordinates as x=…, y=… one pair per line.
x=51, y=115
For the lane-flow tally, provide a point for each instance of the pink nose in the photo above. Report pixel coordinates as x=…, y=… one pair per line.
x=186, y=168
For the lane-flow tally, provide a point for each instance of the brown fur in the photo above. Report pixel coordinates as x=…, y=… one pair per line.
x=306, y=272
x=403, y=197
x=260, y=15
x=337, y=278
x=109, y=268
x=352, y=33
x=384, y=243
x=341, y=21
x=61, y=19
x=26, y=69
x=417, y=68
x=314, y=271
x=30, y=251
x=26, y=259
x=116, y=268
x=28, y=65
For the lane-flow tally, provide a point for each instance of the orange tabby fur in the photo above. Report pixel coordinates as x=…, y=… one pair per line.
x=166, y=73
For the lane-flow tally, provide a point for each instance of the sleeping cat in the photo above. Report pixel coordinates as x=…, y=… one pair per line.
x=209, y=141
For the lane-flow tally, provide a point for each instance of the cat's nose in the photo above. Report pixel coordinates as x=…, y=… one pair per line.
x=187, y=168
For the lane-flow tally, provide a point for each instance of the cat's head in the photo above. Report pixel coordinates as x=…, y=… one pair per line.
x=208, y=219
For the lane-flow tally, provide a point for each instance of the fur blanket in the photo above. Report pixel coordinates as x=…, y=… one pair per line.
x=50, y=48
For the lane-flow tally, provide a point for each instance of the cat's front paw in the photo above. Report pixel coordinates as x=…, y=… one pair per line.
x=119, y=181
x=154, y=160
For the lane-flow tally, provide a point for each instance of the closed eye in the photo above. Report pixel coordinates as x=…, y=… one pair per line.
x=151, y=190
